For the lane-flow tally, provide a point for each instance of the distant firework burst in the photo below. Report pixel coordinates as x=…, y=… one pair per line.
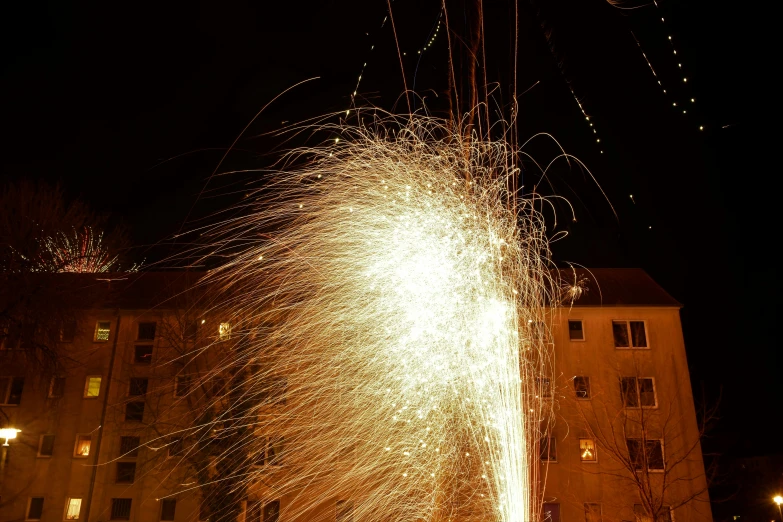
x=79, y=251
x=401, y=292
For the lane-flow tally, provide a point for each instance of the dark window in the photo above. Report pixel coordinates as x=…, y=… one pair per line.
x=11, y=390
x=550, y=512
x=56, y=387
x=146, y=331
x=134, y=411
x=68, y=331
x=549, y=449
x=274, y=451
x=544, y=387
x=138, y=386
x=253, y=511
x=620, y=331
x=344, y=511
x=168, y=506
x=664, y=515
x=629, y=392
x=142, y=354
x=629, y=334
x=593, y=512
x=126, y=472
x=46, y=446
x=35, y=510
x=582, y=387
x=575, y=332
x=182, y=385
x=272, y=511
x=638, y=335
x=129, y=446
x=121, y=508
x=191, y=329
x=646, y=392
x=637, y=392
x=175, y=447
x=648, y=452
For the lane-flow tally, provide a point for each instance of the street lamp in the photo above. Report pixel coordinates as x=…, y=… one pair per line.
x=779, y=500
x=10, y=433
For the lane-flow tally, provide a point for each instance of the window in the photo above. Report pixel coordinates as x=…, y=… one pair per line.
x=146, y=332
x=82, y=447
x=11, y=390
x=549, y=449
x=134, y=411
x=73, y=507
x=56, y=387
x=629, y=334
x=120, y=508
x=46, y=445
x=592, y=512
x=191, y=329
x=254, y=510
x=224, y=331
x=137, y=386
x=649, y=452
x=587, y=450
x=274, y=390
x=271, y=451
x=582, y=387
x=175, y=448
x=182, y=385
x=92, y=387
x=126, y=472
x=664, y=515
x=67, y=333
x=544, y=387
x=272, y=511
x=638, y=391
x=142, y=354
x=575, y=331
x=35, y=508
x=129, y=446
x=550, y=512
x=168, y=506
x=343, y=511
x=102, y=330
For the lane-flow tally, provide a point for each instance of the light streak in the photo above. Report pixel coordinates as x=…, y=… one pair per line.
x=404, y=298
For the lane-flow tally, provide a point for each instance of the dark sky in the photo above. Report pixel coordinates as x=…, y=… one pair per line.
x=131, y=106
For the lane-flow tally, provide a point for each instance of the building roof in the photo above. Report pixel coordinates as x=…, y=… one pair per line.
x=616, y=287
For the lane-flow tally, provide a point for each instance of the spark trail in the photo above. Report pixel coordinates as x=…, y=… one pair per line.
x=400, y=293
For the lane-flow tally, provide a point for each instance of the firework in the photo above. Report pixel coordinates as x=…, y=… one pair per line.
x=399, y=294
x=81, y=251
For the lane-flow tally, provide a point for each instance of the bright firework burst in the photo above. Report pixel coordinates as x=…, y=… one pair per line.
x=81, y=251
x=401, y=293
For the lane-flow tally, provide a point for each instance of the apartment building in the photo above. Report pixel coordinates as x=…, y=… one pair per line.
x=98, y=445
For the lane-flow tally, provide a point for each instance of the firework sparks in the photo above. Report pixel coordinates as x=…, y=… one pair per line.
x=81, y=251
x=402, y=302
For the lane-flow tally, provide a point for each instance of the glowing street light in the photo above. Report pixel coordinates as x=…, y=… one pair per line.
x=8, y=434
x=777, y=499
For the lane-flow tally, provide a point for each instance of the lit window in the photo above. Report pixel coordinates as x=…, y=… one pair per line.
x=593, y=512
x=272, y=511
x=126, y=472
x=168, y=507
x=587, y=450
x=638, y=391
x=548, y=449
x=575, y=331
x=73, y=507
x=92, y=387
x=629, y=334
x=11, y=390
x=102, y=330
x=35, y=508
x=46, y=446
x=182, y=384
x=120, y=508
x=646, y=454
x=582, y=387
x=82, y=448
x=56, y=387
x=344, y=511
x=142, y=354
x=224, y=331
x=146, y=332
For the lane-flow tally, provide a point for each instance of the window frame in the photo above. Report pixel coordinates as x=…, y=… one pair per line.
x=41, y=437
x=629, y=333
x=67, y=332
x=130, y=387
x=5, y=395
x=638, y=516
x=141, y=339
x=639, y=404
x=582, y=323
x=30, y=505
x=265, y=515
x=544, y=388
x=68, y=505
x=143, y=408
x=589, y=506
x=95, y=338
x=76, y=441
x=52, y=382
x=594, y=460
x=114, y=502
x=163, y=502
x=134, y=452
x=183, y=378
x=128, y=465
x=641, y=468
x=559, y=511
x=143, y=362
x=224, y=331
x=589, y=388
x=551, y=442
x=87, y=386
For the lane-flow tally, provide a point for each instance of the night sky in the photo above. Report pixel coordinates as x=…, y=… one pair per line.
x=132, y=105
